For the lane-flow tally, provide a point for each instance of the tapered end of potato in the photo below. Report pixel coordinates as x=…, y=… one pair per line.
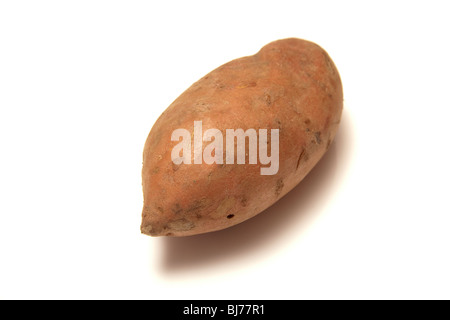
x=150, y=227
x=156, y=225
x=149, y=230
x=146, y=229
x=147, y=225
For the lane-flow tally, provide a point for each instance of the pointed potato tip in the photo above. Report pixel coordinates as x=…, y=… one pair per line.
x=148, y=230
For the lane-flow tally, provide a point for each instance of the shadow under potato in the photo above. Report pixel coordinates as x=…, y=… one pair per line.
x=263, y=229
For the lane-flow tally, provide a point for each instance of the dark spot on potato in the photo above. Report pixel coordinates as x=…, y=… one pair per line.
x=307, y=122
x=328, y=143
x=302, y=153
x=225, y=207
x=160, y=209
x=306, y=157
x=169, y=234
x=317, y=136
x=155, y=171
x=177, y=209
x=308, y=130
x=175, y=167
x=244, y=201
x=230, y=216
x=278, y=123
x=279, y=187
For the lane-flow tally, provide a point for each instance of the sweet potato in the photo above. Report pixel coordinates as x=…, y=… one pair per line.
x=291, y=88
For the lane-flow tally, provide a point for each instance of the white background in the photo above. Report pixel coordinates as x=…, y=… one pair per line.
x=81, y=84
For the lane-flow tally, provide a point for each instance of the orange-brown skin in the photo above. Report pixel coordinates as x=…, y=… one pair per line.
x=291, y=85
